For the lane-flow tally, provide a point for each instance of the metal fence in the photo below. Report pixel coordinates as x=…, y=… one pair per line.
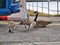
x=41, y=5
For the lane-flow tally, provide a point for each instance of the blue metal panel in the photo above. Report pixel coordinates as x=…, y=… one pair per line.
x=5, y=10
x=15, y=7
x=9, y=8
x=8, y=3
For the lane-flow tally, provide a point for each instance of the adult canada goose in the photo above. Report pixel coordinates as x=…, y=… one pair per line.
x=39, y=23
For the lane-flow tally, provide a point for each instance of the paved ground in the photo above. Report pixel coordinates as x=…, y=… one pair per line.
x=49, y=35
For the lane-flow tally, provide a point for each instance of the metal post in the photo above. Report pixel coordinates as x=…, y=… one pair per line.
x=29, y=5
x=57, y=8
x=48, y=8
x=37, y=6
x=32, y=5
x=42, y=7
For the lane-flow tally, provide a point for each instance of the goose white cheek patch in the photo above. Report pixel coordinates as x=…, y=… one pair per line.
x=32, y=25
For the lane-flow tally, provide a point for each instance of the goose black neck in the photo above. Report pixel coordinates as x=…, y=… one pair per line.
x=35, y=19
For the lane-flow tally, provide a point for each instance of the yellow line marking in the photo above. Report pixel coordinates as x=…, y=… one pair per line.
x=5, y=22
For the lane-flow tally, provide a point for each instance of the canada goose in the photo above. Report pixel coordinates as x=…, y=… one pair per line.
x=39, y=23
x=11, y=26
